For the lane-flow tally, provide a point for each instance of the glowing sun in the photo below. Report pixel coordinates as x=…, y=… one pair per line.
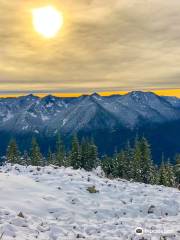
x=47, y=21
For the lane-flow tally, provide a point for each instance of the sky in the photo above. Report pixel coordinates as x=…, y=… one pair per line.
x=104, y=46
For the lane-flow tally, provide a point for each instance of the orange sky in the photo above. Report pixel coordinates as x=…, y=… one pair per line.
x=172, y=92
x=163, y=92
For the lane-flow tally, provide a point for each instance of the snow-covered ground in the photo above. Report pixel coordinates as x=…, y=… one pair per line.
x=54, y=204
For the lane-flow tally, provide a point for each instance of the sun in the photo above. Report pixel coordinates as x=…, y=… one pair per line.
x=47, y=21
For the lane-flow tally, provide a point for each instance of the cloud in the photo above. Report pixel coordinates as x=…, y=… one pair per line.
x=104, y=46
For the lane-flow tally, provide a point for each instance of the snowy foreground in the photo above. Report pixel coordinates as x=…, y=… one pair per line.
x=54, y=204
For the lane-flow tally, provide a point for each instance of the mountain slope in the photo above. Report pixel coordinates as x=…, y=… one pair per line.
x=55, y=204
x=33, y=114
x=111, y=121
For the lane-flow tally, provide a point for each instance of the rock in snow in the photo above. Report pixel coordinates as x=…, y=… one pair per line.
x=59, y=207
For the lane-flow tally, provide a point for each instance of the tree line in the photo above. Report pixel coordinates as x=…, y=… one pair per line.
x=131, y=163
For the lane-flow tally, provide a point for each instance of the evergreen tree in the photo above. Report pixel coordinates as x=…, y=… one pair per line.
x=26, y=161
x=137, y=162
x=147, y=166
x=36, y=156
x=123, y=163
x=75, y=156
x=115, y=171
x=93, y=156
x=177, y=168
x=167, y=174
x=49, y=157
x=128, y=162
x=85, y=154
x=170, y=174
x=89, y=155
x=107, y=165
x=68, y=160
x=118, y=165
x=13, y=154
x=54, y=159
x=162, y=174
x=155, y=176
x=60, y=152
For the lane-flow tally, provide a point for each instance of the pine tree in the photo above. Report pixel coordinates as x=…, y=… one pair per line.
x=84, y=153
x=118, y=165
x=137, y=162
x=163, y=180
x=60, y=152
x=107, y=165
x=68, y=160
x=26, y=161
x=166, y=174
x=49, y=157
x=93, y=156
x=177, y=168
x=154, y=180
x=170, y=174
x=128, y=162
x=89, y=155
x=54, y=159
x=36, y=156
x=13, y=154
x=75, y=156
x=115, y=171
x=147, y=166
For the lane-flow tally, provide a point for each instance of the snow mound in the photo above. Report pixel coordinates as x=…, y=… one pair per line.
x=53, y=203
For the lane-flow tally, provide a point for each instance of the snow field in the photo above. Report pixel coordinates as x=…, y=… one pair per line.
x=53, y=204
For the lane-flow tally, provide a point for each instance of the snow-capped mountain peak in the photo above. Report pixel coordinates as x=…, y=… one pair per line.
x=30, y=112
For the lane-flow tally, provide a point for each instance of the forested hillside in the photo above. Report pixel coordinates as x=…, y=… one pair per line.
x=132, y=163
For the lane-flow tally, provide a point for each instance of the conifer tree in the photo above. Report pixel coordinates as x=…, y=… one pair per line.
x=147, y=166
x=60, y=152
x=84, y=153
x=177, y=168
x=170, y=174
x=68, y=160
x=75, y=156
x=53, y=159
x=163, y=178
x=166, y=174
x=107, y=165
x=93, y=156
x=137, y=162
x=118, y=165
x=155, y=176
x=13, y=154
x=89, y=155
x=49, y=157
x=115, y=166
x=128, y=162
x=36, y=156
x=26, y=161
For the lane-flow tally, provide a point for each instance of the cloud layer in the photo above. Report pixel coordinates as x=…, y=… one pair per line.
x=104, y=46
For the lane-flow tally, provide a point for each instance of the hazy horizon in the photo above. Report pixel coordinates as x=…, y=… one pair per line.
x=167, y=92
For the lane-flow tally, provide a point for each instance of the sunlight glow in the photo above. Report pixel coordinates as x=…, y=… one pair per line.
x=47, y=21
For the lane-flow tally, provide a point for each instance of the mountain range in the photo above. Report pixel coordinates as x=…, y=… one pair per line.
x=110, y=120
